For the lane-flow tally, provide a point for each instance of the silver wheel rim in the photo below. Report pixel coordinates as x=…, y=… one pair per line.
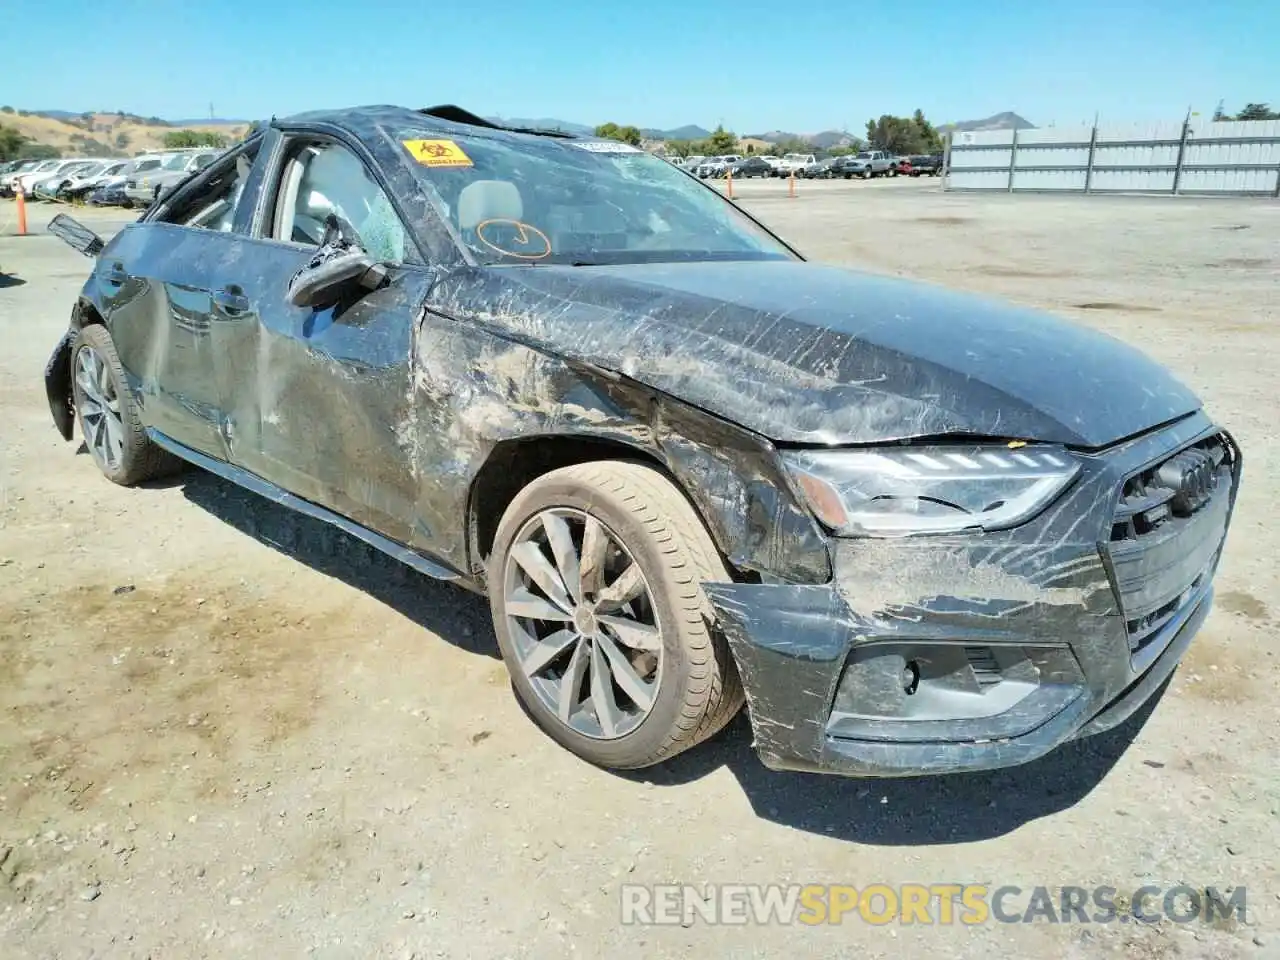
x=582, y=621
x=99, y=409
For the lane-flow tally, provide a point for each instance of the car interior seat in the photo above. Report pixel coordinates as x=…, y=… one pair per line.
x=483, y=200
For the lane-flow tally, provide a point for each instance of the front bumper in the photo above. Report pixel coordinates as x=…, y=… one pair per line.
x=944, y=654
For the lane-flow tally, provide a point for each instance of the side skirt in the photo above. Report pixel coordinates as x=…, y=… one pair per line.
x=265, y=488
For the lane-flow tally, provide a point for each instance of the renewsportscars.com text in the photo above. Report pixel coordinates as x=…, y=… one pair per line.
x=920, y=903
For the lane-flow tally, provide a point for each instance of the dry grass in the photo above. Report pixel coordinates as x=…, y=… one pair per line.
x=106, y=128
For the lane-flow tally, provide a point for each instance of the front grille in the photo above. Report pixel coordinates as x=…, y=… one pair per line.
x=1166, y=535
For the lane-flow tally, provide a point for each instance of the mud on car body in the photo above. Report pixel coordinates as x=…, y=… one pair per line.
x=915, y=531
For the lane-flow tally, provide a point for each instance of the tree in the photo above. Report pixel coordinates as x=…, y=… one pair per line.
x=6, y=109
x=38, y=151
x=679, y=148
x=11, y=143
x=903, y=135
x=122, y=141
x=721, y=141
x=193, y=138
x=1257, y=111
x=627, y=134
x=792, y=145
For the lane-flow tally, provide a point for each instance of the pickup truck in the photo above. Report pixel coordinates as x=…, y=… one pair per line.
x=793, y=163
x=872, y=163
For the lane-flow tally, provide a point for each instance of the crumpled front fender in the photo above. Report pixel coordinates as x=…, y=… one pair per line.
x=57, y=385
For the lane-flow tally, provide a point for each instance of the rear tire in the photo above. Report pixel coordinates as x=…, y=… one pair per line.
x=677, y=685
x=108, y=415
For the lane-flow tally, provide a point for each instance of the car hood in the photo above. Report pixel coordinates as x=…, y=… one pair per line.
x=804, y=353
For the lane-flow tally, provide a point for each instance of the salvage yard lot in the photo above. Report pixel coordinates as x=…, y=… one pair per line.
x=229, y=731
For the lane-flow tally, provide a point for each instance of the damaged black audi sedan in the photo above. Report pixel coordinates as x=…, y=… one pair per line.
x=915, y=531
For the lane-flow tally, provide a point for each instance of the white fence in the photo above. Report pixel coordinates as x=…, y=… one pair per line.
x=1196, y=157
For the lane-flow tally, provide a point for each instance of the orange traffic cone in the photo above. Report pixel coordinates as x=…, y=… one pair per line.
x=22, y=211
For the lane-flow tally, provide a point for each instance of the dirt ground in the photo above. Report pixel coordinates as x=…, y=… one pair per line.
x=227, y=731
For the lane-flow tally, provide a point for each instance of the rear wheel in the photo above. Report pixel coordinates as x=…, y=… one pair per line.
x=595, y=587
x=108, y=414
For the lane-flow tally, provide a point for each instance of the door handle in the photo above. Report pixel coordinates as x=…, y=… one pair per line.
x=230, y=301
x=116, y=274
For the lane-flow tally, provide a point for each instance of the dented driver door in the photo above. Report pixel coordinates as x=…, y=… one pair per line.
x=319, y=397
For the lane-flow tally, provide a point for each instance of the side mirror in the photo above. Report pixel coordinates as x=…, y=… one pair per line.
x=330, y=281
x=337, y=269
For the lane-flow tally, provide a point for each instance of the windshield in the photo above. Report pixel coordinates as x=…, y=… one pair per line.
x=544, y=200
x=176, y=162
x=91, y=170
x=146, y=165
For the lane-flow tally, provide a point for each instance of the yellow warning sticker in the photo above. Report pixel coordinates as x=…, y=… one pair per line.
x=437, y=153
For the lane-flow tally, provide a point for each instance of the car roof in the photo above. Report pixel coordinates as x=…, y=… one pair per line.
x=446, y=119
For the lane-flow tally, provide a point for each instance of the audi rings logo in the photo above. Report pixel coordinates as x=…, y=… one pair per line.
x=1192, y=477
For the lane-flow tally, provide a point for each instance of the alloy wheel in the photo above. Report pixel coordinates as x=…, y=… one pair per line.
x=99, y=408
x=581, y=615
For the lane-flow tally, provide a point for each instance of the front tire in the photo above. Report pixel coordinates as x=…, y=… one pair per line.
x=595, y=588
x=108, y=415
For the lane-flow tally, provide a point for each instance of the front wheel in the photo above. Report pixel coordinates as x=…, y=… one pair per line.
x=595, y=588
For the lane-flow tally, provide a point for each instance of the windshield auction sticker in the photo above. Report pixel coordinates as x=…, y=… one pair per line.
x=437, y=153
x=605, y=146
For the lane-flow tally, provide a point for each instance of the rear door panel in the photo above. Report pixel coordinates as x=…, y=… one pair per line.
x=154, y=292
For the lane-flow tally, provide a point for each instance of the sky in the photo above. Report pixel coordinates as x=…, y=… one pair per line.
x=753, y=66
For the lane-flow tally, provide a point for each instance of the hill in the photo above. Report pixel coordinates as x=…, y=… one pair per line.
x=690, y=131
x=105, y=134
x=1008, y=120
x=824, y=140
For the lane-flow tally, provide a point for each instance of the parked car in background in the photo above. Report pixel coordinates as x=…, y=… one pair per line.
x=53, y=188
x=818, y=170
x=716, y=166
x=47, y=186
x=174, y=168
x=15, y=169
x=110, y=195
x=844, y=167
x=794, y=163
x=926, y=165
x=84, y=183
x=109, y=191
x=901, y=166
x=872, y=163
x=752, y=167
x=923, y=532
x=27, y=182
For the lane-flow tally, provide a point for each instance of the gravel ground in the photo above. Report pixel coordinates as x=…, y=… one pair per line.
x=227, y=731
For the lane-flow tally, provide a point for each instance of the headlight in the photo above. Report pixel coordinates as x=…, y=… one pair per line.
x=902, y=491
